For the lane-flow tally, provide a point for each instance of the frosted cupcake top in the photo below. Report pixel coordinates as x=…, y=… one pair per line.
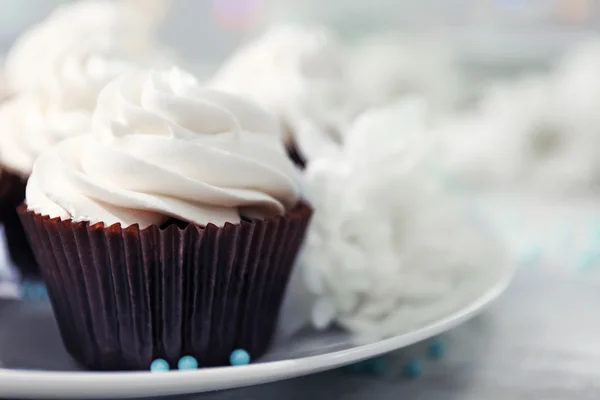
x=298, y=73
x=33, y=56
x=57, y=70
x=162, y=146
x=61, y=104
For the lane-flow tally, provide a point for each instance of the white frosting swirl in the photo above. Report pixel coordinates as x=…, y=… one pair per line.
x=61, y=103
x=59, y=67
x=33, y=57
x=163, y=147
x=29, y=126
x=298, y=73
x=79, y=71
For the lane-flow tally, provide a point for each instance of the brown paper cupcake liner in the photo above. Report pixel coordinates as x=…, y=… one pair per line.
x=12, y=194
x=126, y=296
x=296, y=156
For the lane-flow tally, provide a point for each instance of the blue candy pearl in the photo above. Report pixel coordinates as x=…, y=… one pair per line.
x=33, y=290
x=239, y=357
x=589, y=260
x=412, y=369
x=159, y=365
x=187, y=362
x=378, y=366
x=436, y=349
x=25, y=289
x=39, y=291
x=531, y=257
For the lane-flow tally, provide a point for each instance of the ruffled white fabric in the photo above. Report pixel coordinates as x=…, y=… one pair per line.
x=389, y=247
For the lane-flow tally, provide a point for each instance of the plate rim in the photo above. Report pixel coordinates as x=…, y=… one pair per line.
x=41, y=384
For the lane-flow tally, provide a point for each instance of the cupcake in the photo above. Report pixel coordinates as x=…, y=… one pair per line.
x=56, y=78
x=33, y=55
x=171, y=230
x=299, y=74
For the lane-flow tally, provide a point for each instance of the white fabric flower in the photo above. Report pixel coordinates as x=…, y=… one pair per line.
x=389, y=248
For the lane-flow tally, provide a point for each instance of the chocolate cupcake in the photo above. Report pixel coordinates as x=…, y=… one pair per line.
x=171, y=230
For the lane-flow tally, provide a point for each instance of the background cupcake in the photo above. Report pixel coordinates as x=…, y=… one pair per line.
x=121, y=23
x=56, y=71
x=169, y=231
x=299, y=74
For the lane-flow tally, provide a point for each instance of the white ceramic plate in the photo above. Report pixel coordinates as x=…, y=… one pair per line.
x=37, y=366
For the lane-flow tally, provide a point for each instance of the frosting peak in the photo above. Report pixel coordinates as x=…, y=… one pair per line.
x=162, y=146
x=172, y=104
x=60, y=104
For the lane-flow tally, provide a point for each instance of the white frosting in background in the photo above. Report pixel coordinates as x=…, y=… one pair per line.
x=162, y=147
x=28, y=127
x=58, y=68
x=578, y=85
x=34, y=54
x=60, y=105
x=152, y=12
x=497, y=140
x=389, y=247
x=298, y=73
x=541, y=131
x=385, y=67
x=79, y=71
x=317, y=86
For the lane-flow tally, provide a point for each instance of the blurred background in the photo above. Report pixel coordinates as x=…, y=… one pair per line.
x=496, y=36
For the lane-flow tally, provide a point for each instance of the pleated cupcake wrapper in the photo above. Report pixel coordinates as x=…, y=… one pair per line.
x=125, y=296
x=296, y=157
x=12, y=194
